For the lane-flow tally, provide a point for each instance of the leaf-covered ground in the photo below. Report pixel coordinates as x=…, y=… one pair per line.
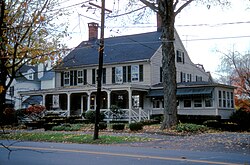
x=234, y=142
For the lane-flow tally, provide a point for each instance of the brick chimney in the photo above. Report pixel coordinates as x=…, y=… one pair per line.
x=93, y=31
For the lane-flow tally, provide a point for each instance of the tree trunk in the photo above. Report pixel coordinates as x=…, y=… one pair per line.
x=166, y=11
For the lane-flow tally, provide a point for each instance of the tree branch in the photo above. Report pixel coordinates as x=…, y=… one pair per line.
x=150, y=5
x=182, y=7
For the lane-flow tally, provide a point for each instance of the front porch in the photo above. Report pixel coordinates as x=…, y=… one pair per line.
x=76, y=101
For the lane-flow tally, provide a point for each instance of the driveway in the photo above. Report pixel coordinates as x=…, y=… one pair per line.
x=229, y=142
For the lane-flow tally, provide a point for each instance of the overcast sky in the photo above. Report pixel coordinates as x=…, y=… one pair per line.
x=202, y=30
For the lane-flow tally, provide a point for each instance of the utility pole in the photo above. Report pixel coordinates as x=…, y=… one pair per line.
x=100, y=68
x=2, y=60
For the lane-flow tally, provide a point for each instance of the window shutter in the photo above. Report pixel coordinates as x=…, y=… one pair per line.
x=104, y=75
x=124, y=74
x=113, y=75
x=84, y=76
x=183, y=59
x=129, y=73
x=181, y=76
x=93, y=76
x=71, y=77
x=140, y=72
x=62, y=79
x=161, y=74
x=75, y=77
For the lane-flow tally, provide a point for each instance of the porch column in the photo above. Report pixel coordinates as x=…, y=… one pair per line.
x=109, y=101
x=44, y=96
x=130, y=104
x=88, y=101
x=68, y=104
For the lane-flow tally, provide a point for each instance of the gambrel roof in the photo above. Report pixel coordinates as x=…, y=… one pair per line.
x=116, y=50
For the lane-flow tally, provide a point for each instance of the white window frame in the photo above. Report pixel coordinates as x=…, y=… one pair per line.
x=198, y=103
x=119, y=74
x=30, y=74
x=79, y=77
x=66, y=78
x=135, y=73
x=208, y=100
x=189, y=101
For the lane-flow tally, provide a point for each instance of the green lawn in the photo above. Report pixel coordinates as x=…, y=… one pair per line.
x=72, y=138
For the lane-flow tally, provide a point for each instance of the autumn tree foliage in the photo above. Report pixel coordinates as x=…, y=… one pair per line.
x=167, y=11
x=235, y=66
x=30, y=34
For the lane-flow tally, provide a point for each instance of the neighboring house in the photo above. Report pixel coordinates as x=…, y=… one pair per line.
x=30, y=78
x=132, y=70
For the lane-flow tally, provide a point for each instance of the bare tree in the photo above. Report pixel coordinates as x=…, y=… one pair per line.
x=235, y=68
x=167, y=11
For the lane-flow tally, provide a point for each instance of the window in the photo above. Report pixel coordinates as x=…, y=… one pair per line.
x=118, y=75
x=30, y=74
x=220, y=99
x=136, y=101
x=156, y=103
x=189, y=77
x=197, y=103
x=180, y=56
x=183, y=77
x=224, y=99
x=66, y=78
x=79, y=77
x=208, y=102
x=187, y=103
x=228, y=100
x=232, y=100
x=198, y=78
x=135, y=73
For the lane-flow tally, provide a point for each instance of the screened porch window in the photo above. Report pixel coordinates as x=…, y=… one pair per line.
x=197, y=103
x=187, y=103
x=208, y=102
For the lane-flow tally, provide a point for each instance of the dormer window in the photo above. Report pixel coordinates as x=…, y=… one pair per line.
x=180, y=56
x=30, y=74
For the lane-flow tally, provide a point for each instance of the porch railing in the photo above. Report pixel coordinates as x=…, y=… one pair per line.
x=129, y=115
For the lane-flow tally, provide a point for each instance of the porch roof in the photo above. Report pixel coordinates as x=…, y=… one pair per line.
x=183, y=91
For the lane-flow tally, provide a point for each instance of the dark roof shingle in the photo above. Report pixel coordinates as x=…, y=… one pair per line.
x=117, y=50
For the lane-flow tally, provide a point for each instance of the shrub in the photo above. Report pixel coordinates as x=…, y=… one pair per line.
x=102, y=125
x=188, y=127
x=242, y=118
x=9, y=116
x=90, y=115
x=135, y=126
x=150, y=122
x=118, y=126
x=117, y=112
x=37, y=109
x=212, y=123
x=157, y=117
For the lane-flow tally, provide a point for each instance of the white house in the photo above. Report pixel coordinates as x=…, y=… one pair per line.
x=132, y=77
